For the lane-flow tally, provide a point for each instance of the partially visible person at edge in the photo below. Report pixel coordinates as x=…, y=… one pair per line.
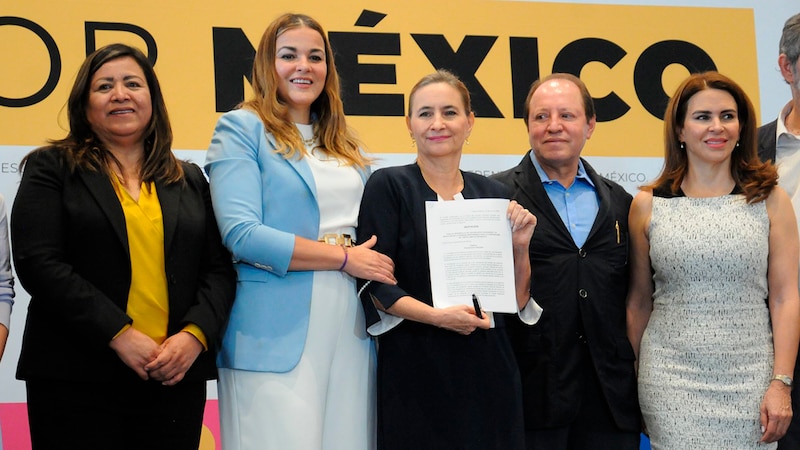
x=713, y=306
x=6, y=284
x=446, y=377
x=115, y=240
x=297, y=369
x=779, y=142
x=578, y=378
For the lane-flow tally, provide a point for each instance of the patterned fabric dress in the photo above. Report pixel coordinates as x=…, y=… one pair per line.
x=706, y=354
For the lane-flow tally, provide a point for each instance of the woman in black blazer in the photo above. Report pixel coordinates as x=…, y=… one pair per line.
x=116, y=242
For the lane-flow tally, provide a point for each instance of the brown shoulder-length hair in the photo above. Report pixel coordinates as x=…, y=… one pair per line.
x=83, y=149
x=755, y=178
x=327, y=110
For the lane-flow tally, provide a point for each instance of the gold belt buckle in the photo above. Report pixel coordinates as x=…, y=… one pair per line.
x=337, y=239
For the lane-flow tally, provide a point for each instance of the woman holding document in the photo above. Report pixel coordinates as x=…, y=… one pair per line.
x=446, y=377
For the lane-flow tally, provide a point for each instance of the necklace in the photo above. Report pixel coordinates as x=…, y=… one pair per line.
x=310, y=141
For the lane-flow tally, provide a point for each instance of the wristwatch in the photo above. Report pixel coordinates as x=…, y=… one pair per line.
x=785, y=379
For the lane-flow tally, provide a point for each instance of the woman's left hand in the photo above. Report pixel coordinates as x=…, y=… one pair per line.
x=177, y=355
x=776, y=412
x=522, y=224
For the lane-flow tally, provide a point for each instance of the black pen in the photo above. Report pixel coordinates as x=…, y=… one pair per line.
x=477, y=306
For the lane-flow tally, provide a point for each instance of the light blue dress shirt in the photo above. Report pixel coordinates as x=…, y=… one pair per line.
x=577, y=205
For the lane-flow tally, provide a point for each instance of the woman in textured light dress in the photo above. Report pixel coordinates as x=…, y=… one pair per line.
x=713, y=309
x=297, y=368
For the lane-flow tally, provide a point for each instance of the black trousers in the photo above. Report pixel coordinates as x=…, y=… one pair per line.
x=791, y=441
x=593, y=428
x=130, y=414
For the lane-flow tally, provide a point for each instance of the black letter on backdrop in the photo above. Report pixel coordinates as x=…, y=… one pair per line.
x=347, y=47
x=575, y=55
x=55, y=63
x=233, y=60
x=464, y=62
x=524, y=70
x=92, y=27
x=652, y=63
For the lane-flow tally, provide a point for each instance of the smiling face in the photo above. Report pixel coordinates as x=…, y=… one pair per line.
x=438, y=120
x=119, y=106
x=711, y=127
x=557, y=124
x=301, y=70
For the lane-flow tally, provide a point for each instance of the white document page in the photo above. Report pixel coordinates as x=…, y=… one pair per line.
x=469, y=250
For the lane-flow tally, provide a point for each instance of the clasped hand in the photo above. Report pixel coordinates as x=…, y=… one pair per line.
x=167, y=362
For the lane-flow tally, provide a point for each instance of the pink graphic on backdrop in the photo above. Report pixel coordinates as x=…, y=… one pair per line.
x=14, y=421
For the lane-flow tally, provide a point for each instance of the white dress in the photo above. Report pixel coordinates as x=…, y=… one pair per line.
x=706, y=354
x=327, y=401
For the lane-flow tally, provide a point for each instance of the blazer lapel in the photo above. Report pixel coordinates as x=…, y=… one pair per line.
x=767, y=141
x=99, y=186
x=169, y=197
x=304, y=170
x=531, y=185
x=299, y=165
x=603, y=198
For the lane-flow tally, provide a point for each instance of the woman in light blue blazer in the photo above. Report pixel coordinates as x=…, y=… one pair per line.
x=286, y=174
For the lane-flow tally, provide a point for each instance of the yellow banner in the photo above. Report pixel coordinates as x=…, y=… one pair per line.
x=631, y=58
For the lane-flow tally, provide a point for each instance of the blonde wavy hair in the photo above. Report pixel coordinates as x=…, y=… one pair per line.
x=327, y=111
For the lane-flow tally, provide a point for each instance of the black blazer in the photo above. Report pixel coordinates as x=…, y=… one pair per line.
x=767, y=141
x=71, y=255
x=582, y=292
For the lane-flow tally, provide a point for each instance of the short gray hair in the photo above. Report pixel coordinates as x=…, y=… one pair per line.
x=790, y=39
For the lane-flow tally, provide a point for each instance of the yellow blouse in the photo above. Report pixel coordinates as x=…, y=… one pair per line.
x=148, y=297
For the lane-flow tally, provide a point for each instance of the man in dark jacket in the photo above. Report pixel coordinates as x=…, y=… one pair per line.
x=577, y=364
x=779, y=141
